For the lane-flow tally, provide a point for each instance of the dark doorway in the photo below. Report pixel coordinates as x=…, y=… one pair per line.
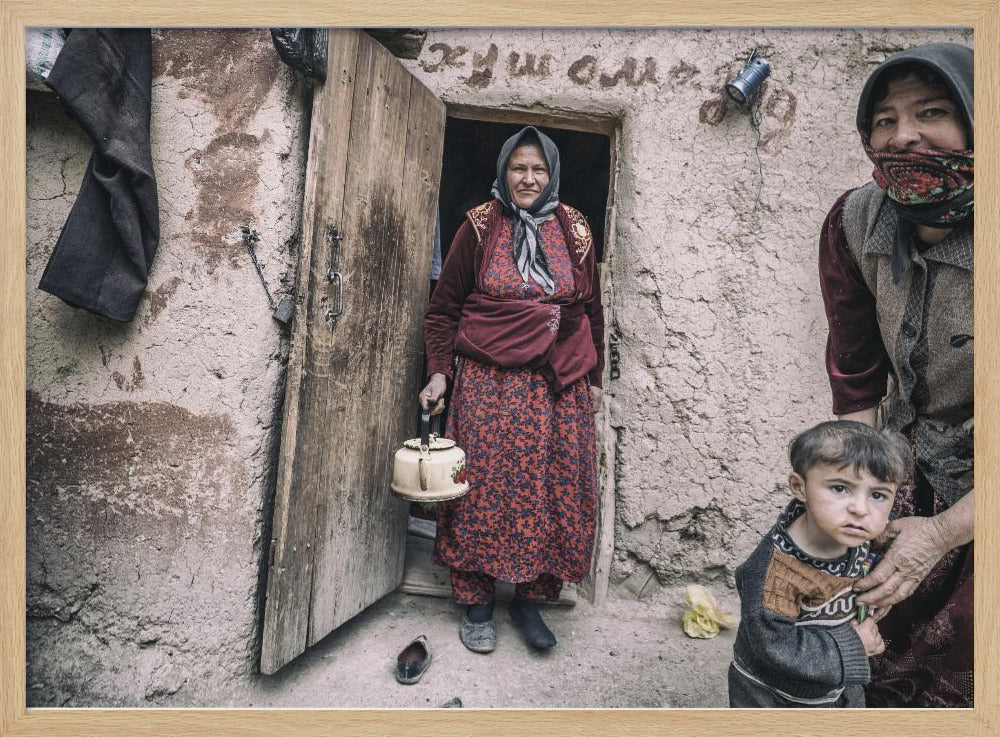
x=471, y=148
x=472, y=140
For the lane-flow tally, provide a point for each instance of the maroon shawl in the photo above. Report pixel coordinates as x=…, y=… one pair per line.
x=564, y=341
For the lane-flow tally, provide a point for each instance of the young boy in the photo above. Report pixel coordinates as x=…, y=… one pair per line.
x=802, y=640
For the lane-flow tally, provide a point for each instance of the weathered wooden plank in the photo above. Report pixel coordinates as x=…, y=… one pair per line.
x=289, y=576
x=421, y=575
x=576, y=120
x=372, y=178
x=356, y=558
x=595, y=586
x=597, y=583
x=418, y=205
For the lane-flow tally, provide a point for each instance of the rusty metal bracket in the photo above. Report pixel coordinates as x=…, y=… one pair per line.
x=283, y=310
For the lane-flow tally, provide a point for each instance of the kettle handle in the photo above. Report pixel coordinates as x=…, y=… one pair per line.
x=429, y=426
x=425, y=430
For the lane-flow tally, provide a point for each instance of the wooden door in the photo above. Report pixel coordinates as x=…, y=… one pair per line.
x=368, y=218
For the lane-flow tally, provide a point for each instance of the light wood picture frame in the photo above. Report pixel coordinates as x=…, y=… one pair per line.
x=15, y=719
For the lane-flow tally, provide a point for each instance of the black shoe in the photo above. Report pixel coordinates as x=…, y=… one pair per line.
x=413, y=661
x=526, y=616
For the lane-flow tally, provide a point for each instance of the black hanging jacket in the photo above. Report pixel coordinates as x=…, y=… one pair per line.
x=102, y=258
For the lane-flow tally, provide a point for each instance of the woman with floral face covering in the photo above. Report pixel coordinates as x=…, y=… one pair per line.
x=516, y=322
x=896, y=259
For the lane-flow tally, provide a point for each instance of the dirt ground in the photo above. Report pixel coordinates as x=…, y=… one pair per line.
x=624, y=654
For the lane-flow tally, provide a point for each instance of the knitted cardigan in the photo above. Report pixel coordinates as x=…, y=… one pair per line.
x=795, y=645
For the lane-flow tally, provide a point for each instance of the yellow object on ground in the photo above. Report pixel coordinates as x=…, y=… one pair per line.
x=704, y=618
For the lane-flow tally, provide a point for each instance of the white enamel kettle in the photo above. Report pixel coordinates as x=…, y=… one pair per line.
x=429, y=468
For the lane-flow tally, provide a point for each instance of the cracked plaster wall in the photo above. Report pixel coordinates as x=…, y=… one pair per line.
x=150, y=444
x=713, y=292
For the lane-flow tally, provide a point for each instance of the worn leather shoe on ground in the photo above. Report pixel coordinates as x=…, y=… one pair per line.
x=479, y=637
x=526, y=616
x=413, y=661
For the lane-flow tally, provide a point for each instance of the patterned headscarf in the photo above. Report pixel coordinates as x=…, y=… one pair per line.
x=928, y=186
x=530, y=259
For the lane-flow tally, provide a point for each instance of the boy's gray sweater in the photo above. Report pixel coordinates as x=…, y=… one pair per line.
x=795, y=645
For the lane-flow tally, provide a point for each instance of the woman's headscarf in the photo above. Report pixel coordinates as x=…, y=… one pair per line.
x=530, y=259
x=928, y=187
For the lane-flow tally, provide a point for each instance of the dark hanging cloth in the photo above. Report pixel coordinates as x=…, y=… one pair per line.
x=303, y=49
x=102, y=258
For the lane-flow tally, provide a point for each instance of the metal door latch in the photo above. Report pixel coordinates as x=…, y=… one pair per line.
x=283, y=310
x=614, y=358
x=333, y=276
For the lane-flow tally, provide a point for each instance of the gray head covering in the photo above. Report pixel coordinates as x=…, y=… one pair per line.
x=954, y=64
x=530, y=259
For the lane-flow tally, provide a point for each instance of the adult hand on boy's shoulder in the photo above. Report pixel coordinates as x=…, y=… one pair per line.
x=915, y=546
x=871, y=638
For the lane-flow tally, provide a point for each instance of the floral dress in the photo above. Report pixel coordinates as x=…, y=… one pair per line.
x=530, y=454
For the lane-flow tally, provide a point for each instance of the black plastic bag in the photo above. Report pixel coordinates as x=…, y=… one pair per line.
x=303, y=49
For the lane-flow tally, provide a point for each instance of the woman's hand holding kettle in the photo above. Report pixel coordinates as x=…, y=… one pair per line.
x=432, y=395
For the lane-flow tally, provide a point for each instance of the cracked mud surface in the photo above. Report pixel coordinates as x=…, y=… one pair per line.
x=151, y=446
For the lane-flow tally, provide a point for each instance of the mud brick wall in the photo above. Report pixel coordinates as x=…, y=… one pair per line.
x=714, y=287
x=151, y=445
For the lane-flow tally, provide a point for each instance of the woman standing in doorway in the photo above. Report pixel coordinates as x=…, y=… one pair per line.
x=896, y=258
x=516, y=322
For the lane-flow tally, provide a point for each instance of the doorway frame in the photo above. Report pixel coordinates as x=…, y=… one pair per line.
x=596, y=585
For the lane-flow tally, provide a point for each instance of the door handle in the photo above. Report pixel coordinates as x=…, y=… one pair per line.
x=332, y=313
x=333, y=276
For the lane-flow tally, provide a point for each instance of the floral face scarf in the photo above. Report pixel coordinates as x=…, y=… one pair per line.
x=927, y=187
x=929, y=177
